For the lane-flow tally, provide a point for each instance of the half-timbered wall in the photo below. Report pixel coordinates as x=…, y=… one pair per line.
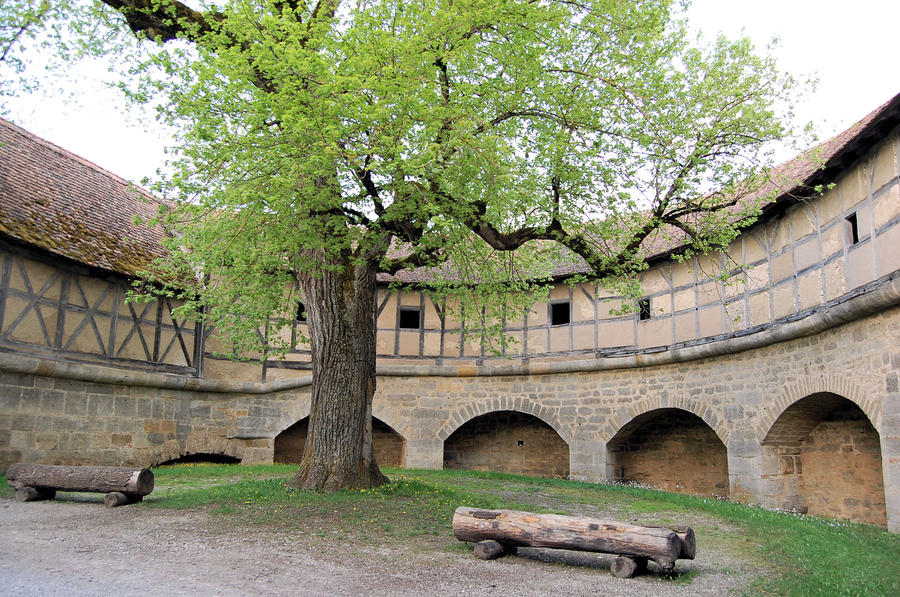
x=822, y=249
x=60, y=310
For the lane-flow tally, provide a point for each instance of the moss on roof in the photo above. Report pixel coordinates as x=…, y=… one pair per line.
x=54, y=200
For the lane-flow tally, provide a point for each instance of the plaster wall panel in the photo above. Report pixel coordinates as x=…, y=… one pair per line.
x=685, y=326
x=388, y=317
x=884, y=164
x=835, y=280
x=432, y=319
x=384, y=343
x=559, y=292
x=887, y=206
x=783, y=266
x=653, y=282
x=711, y=320
x=889, y=251
x=432, y=344
x=559, y=338
x=654, y=332
x=782, y=237
x=734, y=286
x=803, y=221
x=410, y=299
x=582, y=306
x=829, y=206
x=754, y=250
x=806, y=254
x=451, y=315
x=616, y=333
x=40, y=277
x=516, y=343
x=583, y=337
x=735, y=252
x=809, y=289
x=758, y=276
x=607, y=308
x=683, y=273
x=685, y=299
x=833, y=240
x=860, y=267
x=854, y=188
x=472, y=345
x=760, y=309
x=537, y=316
x=709, y=293
x=783, y=296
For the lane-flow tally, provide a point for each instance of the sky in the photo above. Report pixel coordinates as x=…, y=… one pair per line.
x=853, y=48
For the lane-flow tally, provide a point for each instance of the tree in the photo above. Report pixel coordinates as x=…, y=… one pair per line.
x=325, y=143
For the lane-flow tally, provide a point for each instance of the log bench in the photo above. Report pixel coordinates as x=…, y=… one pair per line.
x=500, y=532
x=41, y=482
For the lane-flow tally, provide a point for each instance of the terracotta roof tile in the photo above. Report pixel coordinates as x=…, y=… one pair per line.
x=57, y=201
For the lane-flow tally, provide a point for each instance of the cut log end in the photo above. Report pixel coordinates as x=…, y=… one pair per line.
x=489, y=549
x=117, y=498
x=624, y=567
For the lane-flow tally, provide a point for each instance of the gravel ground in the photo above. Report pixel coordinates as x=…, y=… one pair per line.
x=82, y=548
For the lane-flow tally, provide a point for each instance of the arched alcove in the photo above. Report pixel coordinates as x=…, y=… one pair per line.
x=672, y=449
x=823, y=457
x=202, y=458
x=390, y=447
x=509, y=442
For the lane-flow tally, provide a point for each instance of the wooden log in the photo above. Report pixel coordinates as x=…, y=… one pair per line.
x=688, y=541
x=117, y=498
x=624, y=567
x=102, y=479
x=511, y=527
x=33, y=494
x=489, y=549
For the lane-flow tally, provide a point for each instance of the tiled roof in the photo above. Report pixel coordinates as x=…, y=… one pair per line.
x=57, y=201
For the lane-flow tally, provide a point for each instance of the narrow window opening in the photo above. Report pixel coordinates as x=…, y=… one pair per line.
x=521, y=443
x=853, y=228
x=643, y=309
x=410, y=318
x=301, y=312
x=560, y=313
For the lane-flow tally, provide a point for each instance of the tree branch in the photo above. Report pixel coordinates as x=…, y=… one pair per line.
x=165, y=20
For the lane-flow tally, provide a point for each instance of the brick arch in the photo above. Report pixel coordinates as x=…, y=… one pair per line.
x=197, y=445
x=390, y=417
x=295, y=412
x=671, y=448
x=825, y=384
x=299, y=411
x=626, y=415
x=460, y=417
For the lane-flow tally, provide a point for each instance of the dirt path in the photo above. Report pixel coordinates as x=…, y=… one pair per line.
x=70, y=548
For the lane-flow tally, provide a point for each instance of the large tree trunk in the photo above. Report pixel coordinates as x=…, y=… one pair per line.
x=340, y=307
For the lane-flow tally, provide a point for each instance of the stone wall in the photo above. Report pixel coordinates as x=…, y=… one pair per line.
x=57, y=420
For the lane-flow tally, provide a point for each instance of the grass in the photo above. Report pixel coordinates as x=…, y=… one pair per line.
x=794, y=555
